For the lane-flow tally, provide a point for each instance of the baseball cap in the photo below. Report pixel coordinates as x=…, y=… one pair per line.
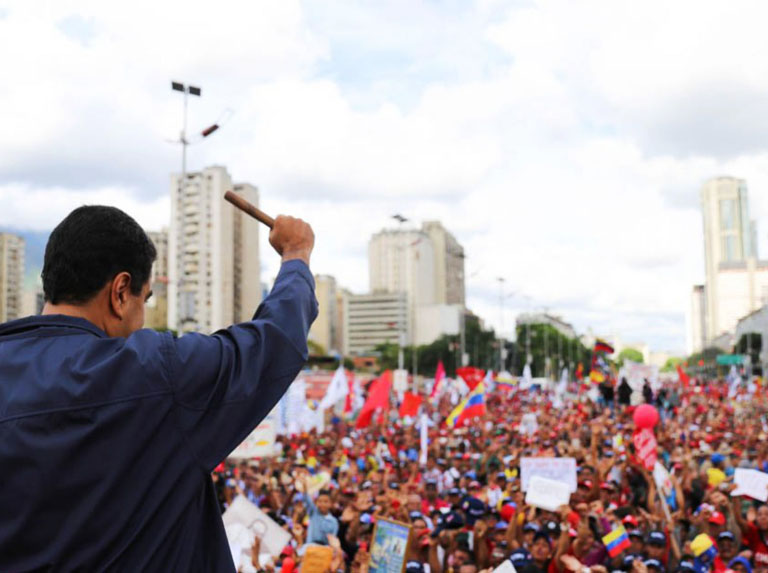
x=629, y=520
x=655, y=563
x=726, y=535
x=454, y=491
x=717, y=518
x=656, y=538
x=520, y=557
x=474, y=509
x=635, y=533
x=531, y=526
x=686, y=566
x=453, y=520
x=414, y=567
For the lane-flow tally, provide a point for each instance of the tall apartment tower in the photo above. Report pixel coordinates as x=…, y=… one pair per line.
x=325, y=330
x=449, y=264
x=213, y=263
x=403, y=261
x=11, y=276
x=157, y=306
x=730, y=253
x=247, y=261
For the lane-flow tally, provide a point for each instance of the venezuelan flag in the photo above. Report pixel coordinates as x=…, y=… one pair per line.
x=473, y=405
x=504, y=383
x=616, y=541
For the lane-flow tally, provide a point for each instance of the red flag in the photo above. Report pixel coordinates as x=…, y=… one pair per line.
x=378, y=399
x=350, y=393
x=439, y=377
x=684, y=378
x=471, y=375
x=410, y=405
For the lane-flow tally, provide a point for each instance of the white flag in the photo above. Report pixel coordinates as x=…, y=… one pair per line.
x=423, y=435
x=337, y=389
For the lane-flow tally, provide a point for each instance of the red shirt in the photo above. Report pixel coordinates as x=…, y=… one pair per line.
x=757, y=544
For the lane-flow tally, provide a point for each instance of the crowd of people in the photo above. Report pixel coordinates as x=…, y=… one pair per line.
x=465, y=505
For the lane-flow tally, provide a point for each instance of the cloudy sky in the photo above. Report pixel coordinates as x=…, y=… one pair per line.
x=563, y=143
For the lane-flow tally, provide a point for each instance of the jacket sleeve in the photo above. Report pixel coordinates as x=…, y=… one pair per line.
x=225, y=384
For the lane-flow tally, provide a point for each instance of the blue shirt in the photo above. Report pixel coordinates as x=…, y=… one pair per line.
x=320, y=526
x=107, y=444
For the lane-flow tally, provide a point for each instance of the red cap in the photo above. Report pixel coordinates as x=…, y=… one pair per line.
x=606, y=485
x=717, y=518
x=507, y=511
x=629, y=520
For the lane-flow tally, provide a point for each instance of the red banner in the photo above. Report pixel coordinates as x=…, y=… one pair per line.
x=645, y=447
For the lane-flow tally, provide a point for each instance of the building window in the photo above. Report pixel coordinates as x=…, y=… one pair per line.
x=727, y=214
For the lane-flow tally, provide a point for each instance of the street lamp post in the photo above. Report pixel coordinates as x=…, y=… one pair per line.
x=501, y=323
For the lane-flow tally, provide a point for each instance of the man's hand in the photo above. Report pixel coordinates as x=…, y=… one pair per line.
x=292, y=238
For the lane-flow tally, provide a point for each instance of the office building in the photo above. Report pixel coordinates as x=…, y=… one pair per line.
x=156, y=313
x=213, y=262
x=325, y=330
x=11, y=276
x=373, y=319
x=427, y=265
x=736, y=280
x=247, y=261
x=449, y=264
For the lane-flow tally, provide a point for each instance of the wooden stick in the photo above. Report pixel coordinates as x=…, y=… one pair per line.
x=250, y=209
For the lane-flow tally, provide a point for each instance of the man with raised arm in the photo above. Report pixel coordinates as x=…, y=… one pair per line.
x=109, y=433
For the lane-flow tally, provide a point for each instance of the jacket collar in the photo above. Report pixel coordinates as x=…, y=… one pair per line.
x=24, y=325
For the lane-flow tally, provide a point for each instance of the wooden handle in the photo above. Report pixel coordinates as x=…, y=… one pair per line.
x=248, y=208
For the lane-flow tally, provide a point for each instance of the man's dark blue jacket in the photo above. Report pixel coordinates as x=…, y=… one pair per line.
x=107, y=444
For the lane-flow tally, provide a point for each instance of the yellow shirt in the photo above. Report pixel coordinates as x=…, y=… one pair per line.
x=715, y=476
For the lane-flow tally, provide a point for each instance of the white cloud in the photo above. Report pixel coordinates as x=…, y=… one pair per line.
x=563, y=143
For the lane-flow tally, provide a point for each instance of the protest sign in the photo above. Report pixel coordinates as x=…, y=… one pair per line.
x=662, y=479
x=505, y=567
x=557, y=469
x=389, y=546
x=243, y=521
x=317, y=559
x=260, y=443
x=547, y=494
x=751, y=483
x=645, y=447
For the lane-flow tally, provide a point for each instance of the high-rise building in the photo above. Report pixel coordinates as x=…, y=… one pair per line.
x=157, y=306
x=736, y=281
x=373, y=319
x=11, y=276
x=247, y=261
x=449, y=264
x=324, y=330
x=213, y=263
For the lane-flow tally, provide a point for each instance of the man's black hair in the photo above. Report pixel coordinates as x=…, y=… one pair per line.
x=88, y=248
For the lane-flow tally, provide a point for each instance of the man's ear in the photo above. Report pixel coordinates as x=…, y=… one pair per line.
x=119, y=290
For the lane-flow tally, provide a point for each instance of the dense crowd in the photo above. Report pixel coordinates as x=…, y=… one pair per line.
x=465, y=505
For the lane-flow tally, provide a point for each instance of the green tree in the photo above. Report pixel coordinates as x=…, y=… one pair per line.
x=631, y=354
x=671, y=364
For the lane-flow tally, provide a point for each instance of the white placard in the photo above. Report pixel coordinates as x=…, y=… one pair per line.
x=661, y=478
x=752, y=483
x=547, y=494
x=505, y=567
x=243, y=518
x=260, y=443
x=557, y=469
